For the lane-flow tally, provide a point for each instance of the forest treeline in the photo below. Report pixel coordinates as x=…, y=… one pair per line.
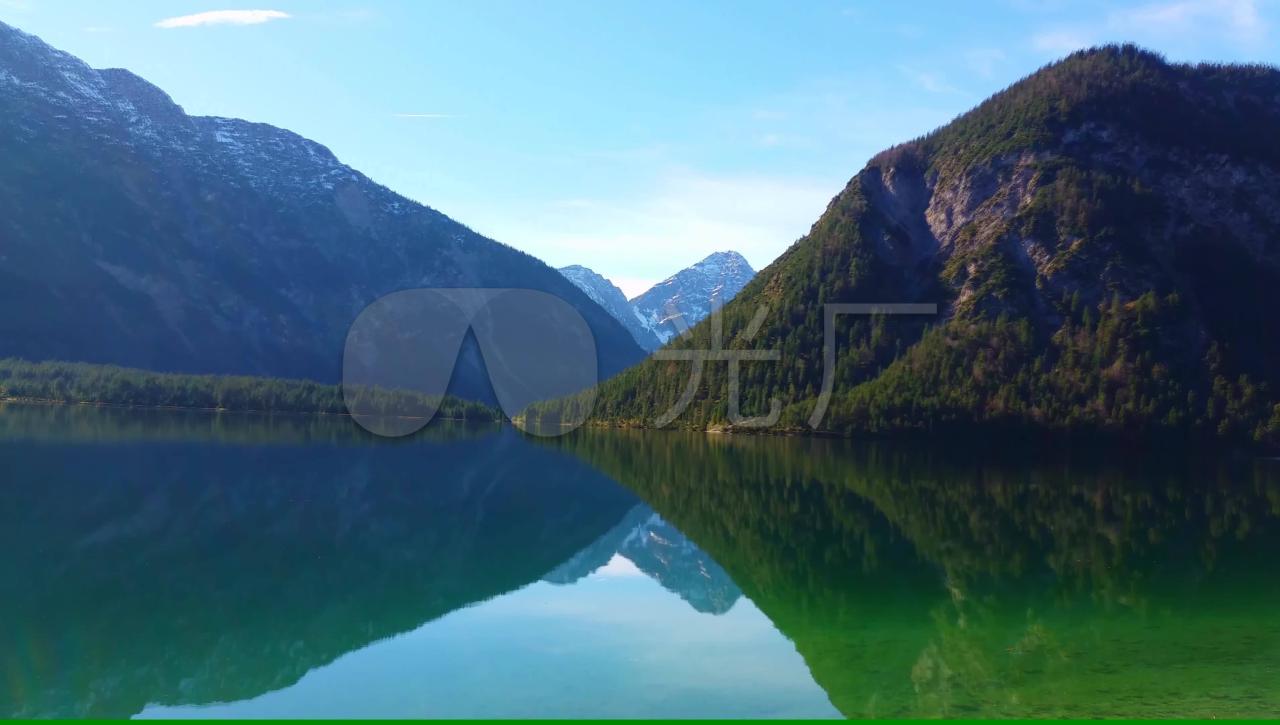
x=84, y=383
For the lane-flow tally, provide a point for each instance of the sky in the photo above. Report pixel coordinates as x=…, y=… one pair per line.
x=631, y=137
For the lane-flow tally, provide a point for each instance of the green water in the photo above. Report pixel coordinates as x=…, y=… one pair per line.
x=189, y=565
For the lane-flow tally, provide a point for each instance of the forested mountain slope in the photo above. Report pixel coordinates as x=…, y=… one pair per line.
x=1102, y=240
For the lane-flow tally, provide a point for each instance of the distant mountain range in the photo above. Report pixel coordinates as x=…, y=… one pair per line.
x=1102, y=240
x=135, y=234
x=672, y=306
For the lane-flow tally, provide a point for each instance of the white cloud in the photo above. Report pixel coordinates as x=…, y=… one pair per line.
x=1180, y=23
x=633, y=287
x=985, y=61
x=768, y=114
x=223, y=17
x=775, y=140
x=684, y=216
x=617, y=566
x=1238, y=19
x=931, y=82
x=910, y=31
x=1060, y=42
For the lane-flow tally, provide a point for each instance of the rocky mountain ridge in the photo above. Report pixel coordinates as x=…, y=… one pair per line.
x=675, y=304
x=607, y=295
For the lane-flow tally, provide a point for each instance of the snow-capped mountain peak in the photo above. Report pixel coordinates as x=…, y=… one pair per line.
x=673, y=305
x=687, y=297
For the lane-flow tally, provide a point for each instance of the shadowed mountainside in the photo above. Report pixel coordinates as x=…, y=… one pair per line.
x=137, y=235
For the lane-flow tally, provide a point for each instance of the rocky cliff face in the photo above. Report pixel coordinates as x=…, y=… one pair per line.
x=136, y=234
x=1154, y=210
x=1139, y=186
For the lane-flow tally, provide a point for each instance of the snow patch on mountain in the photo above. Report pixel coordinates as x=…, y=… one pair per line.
x=607, y=295
x=110, y=101
x=689, y=296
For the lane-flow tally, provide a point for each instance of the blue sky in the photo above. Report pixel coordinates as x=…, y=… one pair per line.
x=632, y=137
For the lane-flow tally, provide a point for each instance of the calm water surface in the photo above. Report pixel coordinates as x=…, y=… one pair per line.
x=193, y=565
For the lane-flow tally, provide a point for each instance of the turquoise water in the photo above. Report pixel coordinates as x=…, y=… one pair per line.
x=193, y=565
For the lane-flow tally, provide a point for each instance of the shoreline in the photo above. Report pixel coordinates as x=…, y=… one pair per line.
x=981, y=435
x=53, y=402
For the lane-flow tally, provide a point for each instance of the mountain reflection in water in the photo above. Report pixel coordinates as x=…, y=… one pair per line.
x=189, y=559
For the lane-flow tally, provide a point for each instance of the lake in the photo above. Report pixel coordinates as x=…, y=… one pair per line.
x=168, y=564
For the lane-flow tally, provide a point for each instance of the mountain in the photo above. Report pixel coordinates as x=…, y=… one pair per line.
x=1102, y=240
x=138, y=235
x=673, y=305
x=607, y=295
x=687, y=297
x=664, y=554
